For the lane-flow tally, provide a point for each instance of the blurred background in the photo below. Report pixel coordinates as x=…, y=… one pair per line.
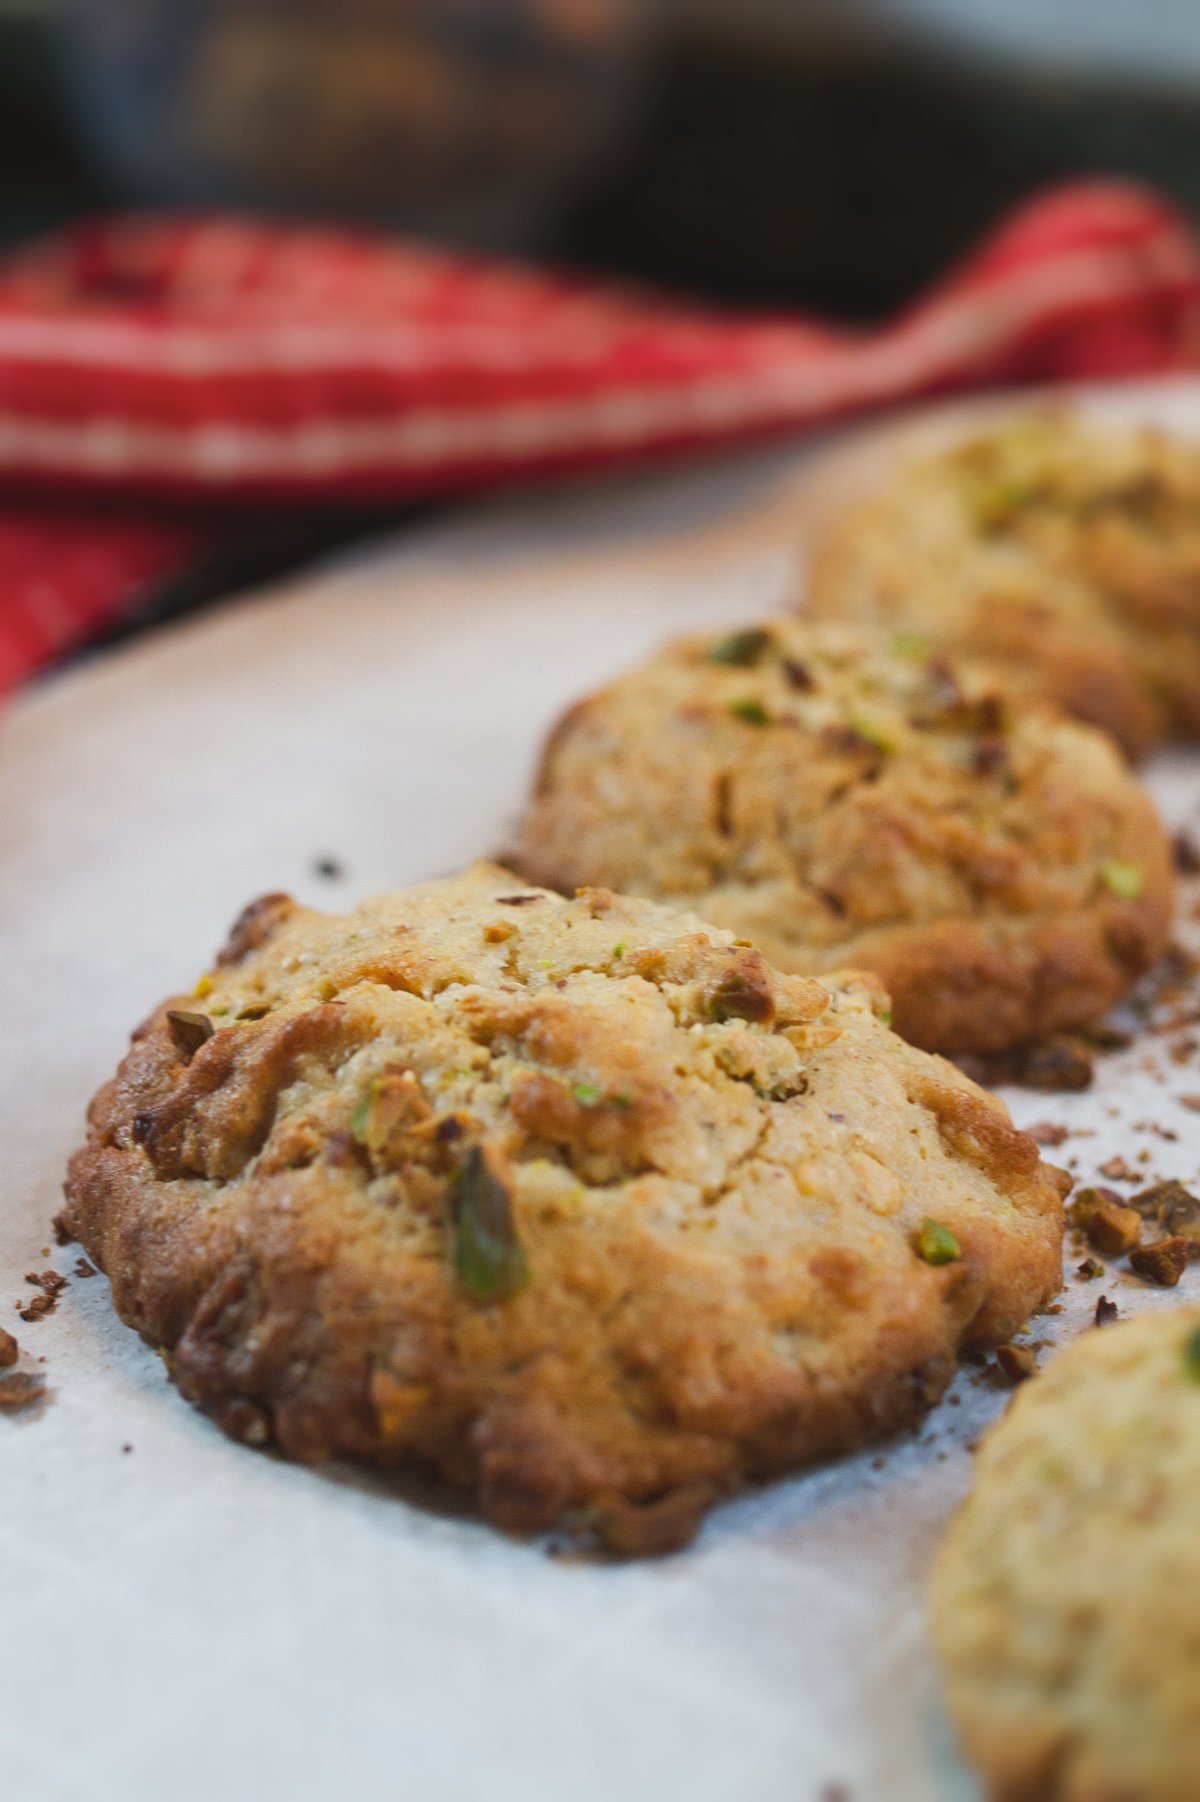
x=820, y=153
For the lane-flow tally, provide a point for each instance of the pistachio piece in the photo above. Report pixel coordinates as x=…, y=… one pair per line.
x=393, y=1104
x=1124, y=879
x=910, y=644
x=1191, y=1355
x=1163, y=1262
x=742, y=650
x=741, y=994
x=1107, y=1225
x=488, y=1256
x=874, y=733
x=188, y=1031
x=798, y=676
x=1017, y=1362
x=936, y=1244
x=752, y=712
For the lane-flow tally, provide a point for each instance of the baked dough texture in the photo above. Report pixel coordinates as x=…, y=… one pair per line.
x=575, y=1204
x=1065, y=1596
x=844, y=799
x=1066, y=553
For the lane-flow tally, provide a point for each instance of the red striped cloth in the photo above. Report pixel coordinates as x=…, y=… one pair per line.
x=147, y=364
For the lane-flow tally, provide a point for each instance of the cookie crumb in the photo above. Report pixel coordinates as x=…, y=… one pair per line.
x=10, y=1351
x=1107, y=1225
x=329, y=869
x=1055, y=1065
x=1118, y=1171
x=1174, y=1208
x=1048, y=1132
x=1163, y=1263
x=1017, y=1362
x=48, y=1280
x=21, y=1391
x=1089, y=1270
x=1106, y=1311
x=84, y=1269
x=37, y=1309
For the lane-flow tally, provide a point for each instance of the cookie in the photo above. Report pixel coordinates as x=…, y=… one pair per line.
x=1064, y=1596
x=575, y=1204
x=1065, y=553
x=846, y=800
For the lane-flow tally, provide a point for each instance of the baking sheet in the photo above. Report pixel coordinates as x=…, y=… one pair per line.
x=179, y=1616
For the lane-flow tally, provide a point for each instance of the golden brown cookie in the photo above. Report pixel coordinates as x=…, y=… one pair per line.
x=848, y=801
x=574, y=1203
x=1066, y=1596
x=1065, y=553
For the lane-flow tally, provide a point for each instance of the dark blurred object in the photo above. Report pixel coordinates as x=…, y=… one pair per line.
x=46, y=179
x=471, y=120
x=842, y=176
x=818, y=163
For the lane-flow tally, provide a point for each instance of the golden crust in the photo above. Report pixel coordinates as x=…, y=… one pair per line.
x=842, y=801
x=1066, y=555
x=1064, y=1595
x=713, y=1173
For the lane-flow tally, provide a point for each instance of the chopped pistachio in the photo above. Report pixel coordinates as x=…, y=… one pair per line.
x=936, y=1244
x=751, y=711
x=393, y=1106
x=738, y=995
x=742, y=649
x=618, y=951
x=873, y=732
x=1191, y=1355
x=910, y=644
x=588, y=1095
x=188, y=1031
x=488, y=1256
x=1124, y=879
x=258, y=1011
x=996, y=504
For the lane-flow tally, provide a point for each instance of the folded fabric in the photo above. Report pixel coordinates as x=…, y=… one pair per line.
x=153, y=365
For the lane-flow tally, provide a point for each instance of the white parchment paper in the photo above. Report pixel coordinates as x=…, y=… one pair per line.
x=181, y=1618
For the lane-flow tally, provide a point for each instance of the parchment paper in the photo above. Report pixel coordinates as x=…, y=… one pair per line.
x=181, y=1618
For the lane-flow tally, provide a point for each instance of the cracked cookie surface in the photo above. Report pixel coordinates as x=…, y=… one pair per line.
x=849, y=800
x=1064, y=1596
x=1065, y=553
x=575, y=1204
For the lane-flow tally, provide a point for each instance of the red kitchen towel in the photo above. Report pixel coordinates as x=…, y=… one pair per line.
x=149, y=366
